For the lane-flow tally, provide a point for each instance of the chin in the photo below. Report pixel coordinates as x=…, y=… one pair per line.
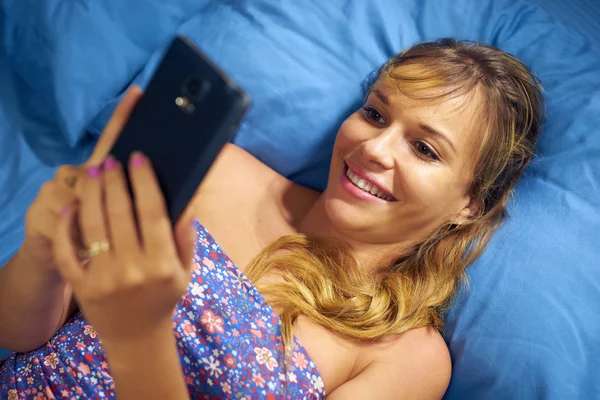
x=345, y=216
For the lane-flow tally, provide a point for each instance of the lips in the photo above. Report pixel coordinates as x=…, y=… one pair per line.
x=366, y=182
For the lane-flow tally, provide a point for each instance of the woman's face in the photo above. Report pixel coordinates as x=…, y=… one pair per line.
x=401, y=168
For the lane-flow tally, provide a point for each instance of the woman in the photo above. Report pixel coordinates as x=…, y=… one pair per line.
x=348, y=286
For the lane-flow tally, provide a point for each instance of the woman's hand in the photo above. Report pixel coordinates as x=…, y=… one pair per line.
x=61, y=194
x=34, y=299
x=54, y=197
x=137, y=271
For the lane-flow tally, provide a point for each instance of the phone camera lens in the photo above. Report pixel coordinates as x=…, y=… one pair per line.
x=193, y=87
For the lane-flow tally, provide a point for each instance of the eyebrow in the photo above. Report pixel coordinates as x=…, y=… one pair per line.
x=440, y=135
x=381, y=96
x=424, y=127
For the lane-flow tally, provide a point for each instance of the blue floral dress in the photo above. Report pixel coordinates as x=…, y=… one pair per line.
x=228, y=337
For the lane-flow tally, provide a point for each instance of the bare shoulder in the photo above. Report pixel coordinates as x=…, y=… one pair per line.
x=246, y=205
x=235, y=166
x=239, y=179
x=414, y=365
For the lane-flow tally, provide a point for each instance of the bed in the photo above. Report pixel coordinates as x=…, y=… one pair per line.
x=527, y=327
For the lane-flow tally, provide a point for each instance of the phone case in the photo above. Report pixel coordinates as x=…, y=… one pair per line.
x=189, y=111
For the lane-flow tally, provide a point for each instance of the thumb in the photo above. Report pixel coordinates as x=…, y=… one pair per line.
x=185, y=238
x=115, y=125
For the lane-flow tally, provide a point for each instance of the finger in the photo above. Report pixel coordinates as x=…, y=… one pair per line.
x=61, y=195
x=92, y=221
x=71, y=177
x=154, y=223
x=119, y=210
x=185, y=239
x=67, y=176
x=65, y=251
x=113, y=127
x=46, y=225
x=53, y=200
x=54, y=197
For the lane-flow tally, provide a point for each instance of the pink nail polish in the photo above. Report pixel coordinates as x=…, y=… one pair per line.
x=110, y=163
x=137, y=160
x=93, y=171
x=65, y=210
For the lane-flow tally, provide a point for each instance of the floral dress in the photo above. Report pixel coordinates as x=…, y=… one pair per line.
x=228, y=337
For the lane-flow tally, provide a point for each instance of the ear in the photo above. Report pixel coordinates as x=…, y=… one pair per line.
x=470, y=209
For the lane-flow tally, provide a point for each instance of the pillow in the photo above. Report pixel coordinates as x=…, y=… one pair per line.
x=528, y=326
x=70, y=57
x=21, y=173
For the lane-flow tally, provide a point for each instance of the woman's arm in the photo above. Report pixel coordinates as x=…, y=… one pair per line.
x=147, y=369
x=33, y=304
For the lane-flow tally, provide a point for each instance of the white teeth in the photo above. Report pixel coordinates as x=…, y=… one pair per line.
x=367, y=187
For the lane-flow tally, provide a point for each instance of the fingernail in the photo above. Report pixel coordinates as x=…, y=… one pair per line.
x=137, y=160
x=110, y=163
x=66, y=209
x=93, y=171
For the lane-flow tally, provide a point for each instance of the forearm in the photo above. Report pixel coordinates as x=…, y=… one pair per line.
x=147, y=369
x=31, y=305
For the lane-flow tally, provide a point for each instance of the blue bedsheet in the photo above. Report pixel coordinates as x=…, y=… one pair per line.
x=528, y=325
x=21, y=172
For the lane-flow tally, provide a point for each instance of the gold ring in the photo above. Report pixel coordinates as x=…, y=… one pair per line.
x=95, y=248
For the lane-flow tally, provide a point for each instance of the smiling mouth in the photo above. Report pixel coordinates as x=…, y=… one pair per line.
x=368, y=187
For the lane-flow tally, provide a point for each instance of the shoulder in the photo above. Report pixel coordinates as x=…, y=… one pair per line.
x=414, y=365
x=238, y=177
x=236, y=165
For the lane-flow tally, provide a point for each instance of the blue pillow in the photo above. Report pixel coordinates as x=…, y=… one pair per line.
x=528, y=325
x=70, y=57
x=21, y=173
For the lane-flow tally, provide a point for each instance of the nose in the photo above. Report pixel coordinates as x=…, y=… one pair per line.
x=377, y=150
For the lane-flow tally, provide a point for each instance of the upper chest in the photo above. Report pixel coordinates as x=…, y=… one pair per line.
x=244, y=219
x=336, y=359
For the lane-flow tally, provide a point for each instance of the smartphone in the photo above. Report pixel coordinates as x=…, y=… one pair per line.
x=188, y=112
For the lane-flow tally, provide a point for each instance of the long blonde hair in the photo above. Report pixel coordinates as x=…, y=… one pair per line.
x=324, y=282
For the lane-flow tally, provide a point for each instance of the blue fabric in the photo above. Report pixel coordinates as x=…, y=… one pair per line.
x=70, y=57
x=528, y=325
x=582, y=16
x=21, y=173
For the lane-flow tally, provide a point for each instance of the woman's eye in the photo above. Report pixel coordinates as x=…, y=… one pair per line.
x=426, y=151
x=373, y=115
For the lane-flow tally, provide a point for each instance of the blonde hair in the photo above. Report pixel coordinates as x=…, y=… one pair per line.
x=324, y=282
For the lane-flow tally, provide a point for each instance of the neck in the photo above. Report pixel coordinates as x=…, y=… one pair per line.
x=316, y=223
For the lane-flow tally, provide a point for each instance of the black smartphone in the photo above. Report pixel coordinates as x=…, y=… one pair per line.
x=188, y=112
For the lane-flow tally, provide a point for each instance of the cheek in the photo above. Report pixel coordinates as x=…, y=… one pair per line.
x=352, y=132
x=429, y=187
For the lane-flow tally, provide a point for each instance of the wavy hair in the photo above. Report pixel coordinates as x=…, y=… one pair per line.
x=323, y=281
